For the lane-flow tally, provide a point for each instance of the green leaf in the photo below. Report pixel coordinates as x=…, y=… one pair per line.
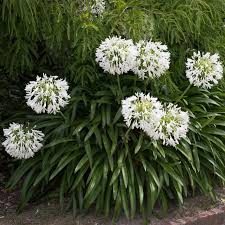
x=215, y=131
x=82, y=162
x=139, y=144
x=107, y=200
x=106, y=144
x=153, y=173
x=59, y=141
x=88, y=150
x=125, y=175
x=98, y=137
x=63, y=163
x=169, y=169
x=194, y=100
x=80, y=127
x=95, y=180
x=103, y=116
x=140, y=188
x=132, y=200
x=108, y=115
x=186, y=151
x=21, y=171
x=79, y=176
x=41, y=176
x=124, y=199
x=115, y=175
x=90, y=132
x=117, y=116
x=153, y=194
x=93, y=109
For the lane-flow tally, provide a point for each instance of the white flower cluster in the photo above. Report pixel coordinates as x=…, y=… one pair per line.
x=47, y=94
x=140, y=108
x=204, y=70
x=171, y=127
x=21, y=141
x=153, y=59
x=168, y=123
x=98, y=7
x=116, y=55
x=146, y=59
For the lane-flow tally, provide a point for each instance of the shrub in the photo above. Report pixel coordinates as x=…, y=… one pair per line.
x=89, y=154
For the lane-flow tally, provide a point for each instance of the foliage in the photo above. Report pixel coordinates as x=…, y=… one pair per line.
x=89, y=154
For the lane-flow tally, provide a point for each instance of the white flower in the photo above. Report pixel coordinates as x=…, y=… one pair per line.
x=172, y=126
x=47, y=94
x=140, y=108
x=152, y=61
x=98, y=7
x=204, y=70
x=116, y=55
x=21, y=141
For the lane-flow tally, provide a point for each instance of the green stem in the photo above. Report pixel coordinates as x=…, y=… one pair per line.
x=145, y=85
x=119, y=86
x=185, y=91
x=155, y=85
x=135, y=82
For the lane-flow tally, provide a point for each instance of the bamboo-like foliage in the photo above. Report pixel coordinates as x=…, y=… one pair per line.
x=90, y=156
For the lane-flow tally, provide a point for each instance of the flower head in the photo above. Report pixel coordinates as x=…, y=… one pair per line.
x=47, y=94
x=21, y=141
x=98, y=7
x=204, y=70
x=116, y=55
x=152, y=61
x=172, y=126
x=140, y=108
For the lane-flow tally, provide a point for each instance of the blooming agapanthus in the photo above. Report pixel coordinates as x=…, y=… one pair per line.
x=21, y=141
x=140, y=108
x=172, y=126
x=98, y=7
x=47, y=94
x=204, y=70
x=116, y=55
x=153, y=59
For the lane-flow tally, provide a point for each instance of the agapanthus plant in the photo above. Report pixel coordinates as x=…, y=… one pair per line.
x=204, y=70
x=172, y=126
x=47, y=94
x=90, y=156
x=116, y=55
x=153, y=59
x=22, y=141
x=139, y=108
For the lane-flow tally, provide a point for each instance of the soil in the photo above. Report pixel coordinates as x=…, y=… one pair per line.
x=49, y=213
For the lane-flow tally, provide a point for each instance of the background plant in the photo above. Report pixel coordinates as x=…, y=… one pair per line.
x=90, y=156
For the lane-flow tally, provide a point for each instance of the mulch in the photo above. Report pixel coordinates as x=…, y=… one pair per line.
x=192, y=212
x=8, y=201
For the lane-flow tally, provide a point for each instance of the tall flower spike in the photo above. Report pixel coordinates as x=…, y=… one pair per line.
x=47, y=94
x=172, y=126
x=140, y=108
x=152, y=61
x=116, y=55
x=21, y=141
x=204, y=70
x=98, y=7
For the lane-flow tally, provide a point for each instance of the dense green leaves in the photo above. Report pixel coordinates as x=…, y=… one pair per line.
x=110, y=164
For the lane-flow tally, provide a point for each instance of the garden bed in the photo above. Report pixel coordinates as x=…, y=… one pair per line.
x=114, y=105
x=197, y=210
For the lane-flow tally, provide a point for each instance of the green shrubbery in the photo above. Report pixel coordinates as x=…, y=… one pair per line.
x=89, y=154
